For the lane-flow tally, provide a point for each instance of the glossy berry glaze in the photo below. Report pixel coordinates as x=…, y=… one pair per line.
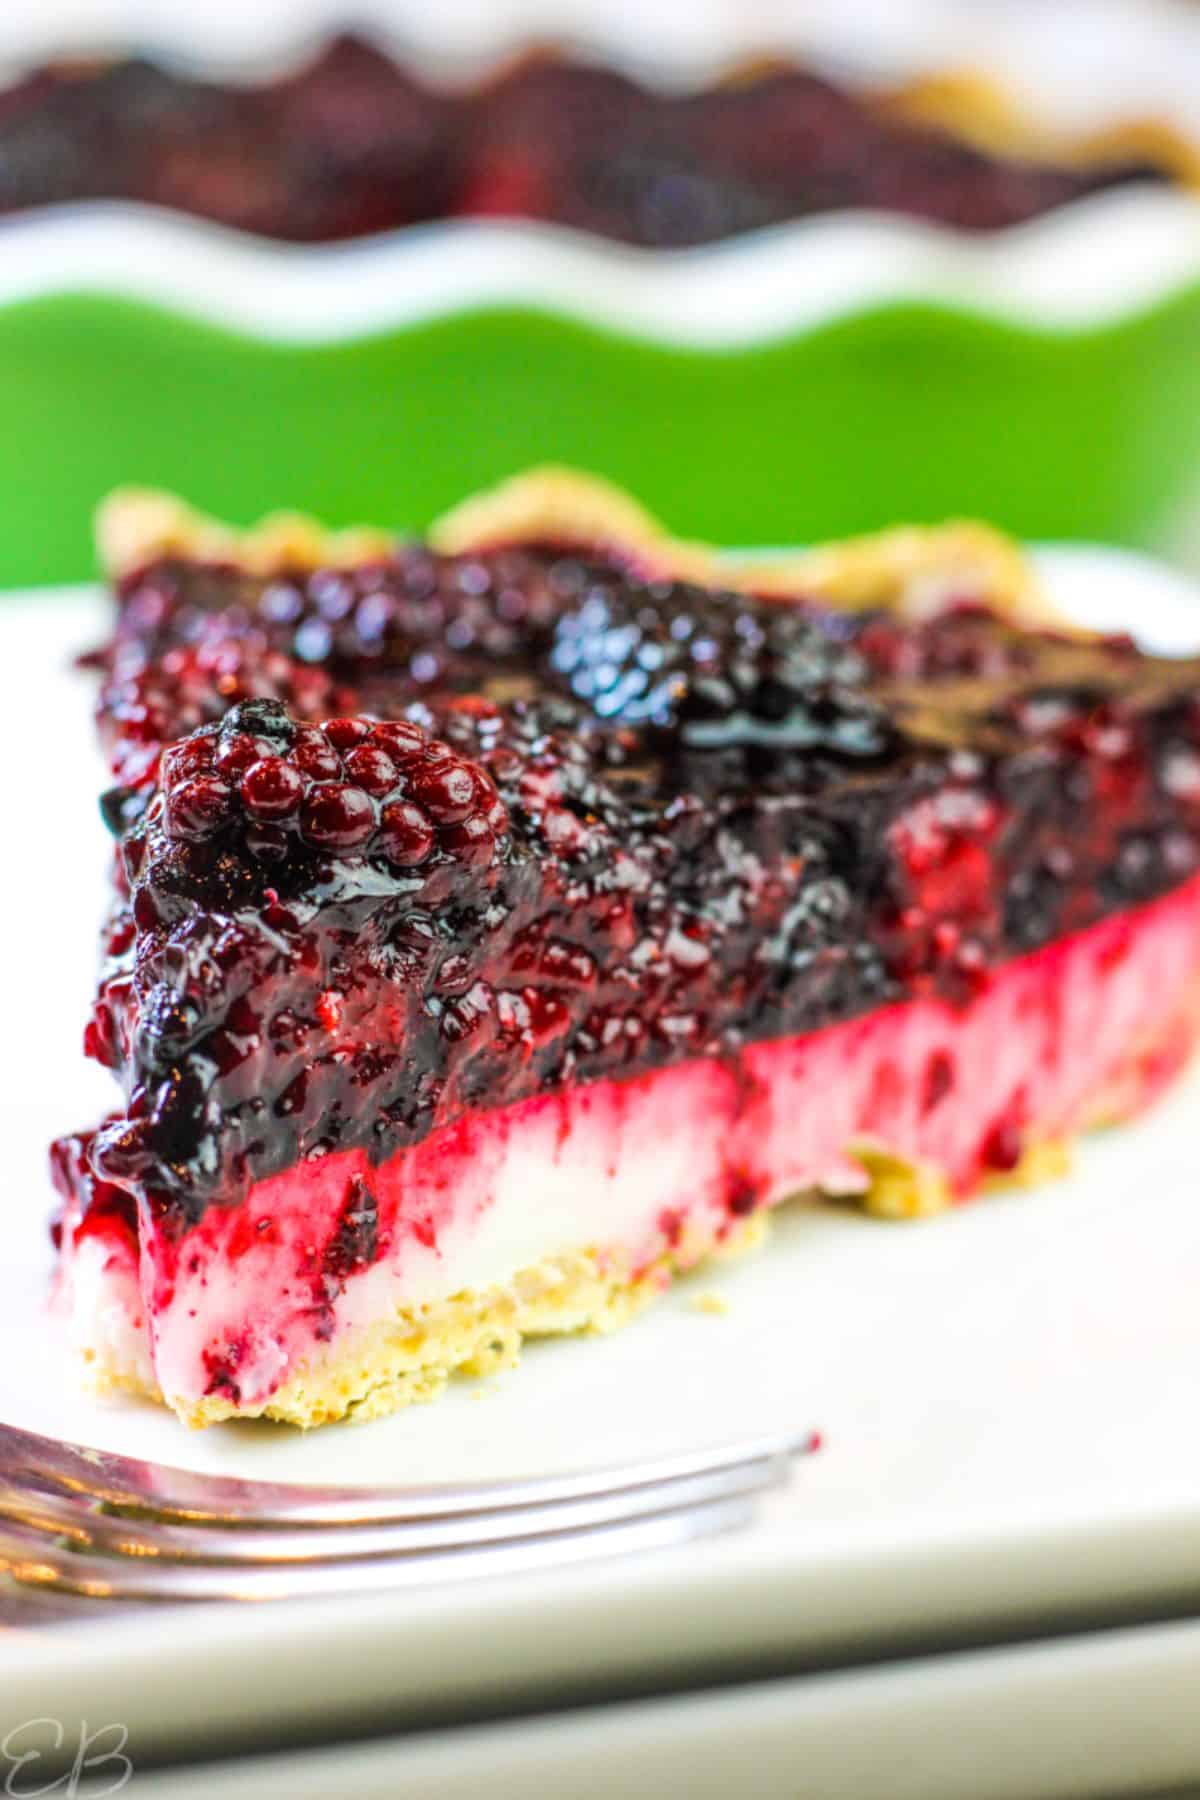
x=354, y=144
x=492, y=888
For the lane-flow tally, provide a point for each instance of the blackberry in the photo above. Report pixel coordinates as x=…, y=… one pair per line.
x=354, y=1242
x=440, y=623
x=146, y=701
x=351, y=785
x=716, y=671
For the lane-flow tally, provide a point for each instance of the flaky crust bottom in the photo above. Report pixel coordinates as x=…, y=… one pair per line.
x=410, y=1355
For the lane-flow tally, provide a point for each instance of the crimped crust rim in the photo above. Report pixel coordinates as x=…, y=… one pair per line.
x=987, y=113
x=135, y=526
x=984, y=112
x=908, y=569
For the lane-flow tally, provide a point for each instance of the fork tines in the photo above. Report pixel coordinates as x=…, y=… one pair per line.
x=110, y=1526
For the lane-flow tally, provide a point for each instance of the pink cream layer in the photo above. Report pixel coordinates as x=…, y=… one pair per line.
x=1090, y=1027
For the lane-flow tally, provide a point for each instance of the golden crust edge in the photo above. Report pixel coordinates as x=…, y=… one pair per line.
x=904, y=567
x=982, y=111
x=986, y=112
x=907, y=569
x=134, y=526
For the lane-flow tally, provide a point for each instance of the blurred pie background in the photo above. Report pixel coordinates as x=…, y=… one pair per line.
x=787, y=271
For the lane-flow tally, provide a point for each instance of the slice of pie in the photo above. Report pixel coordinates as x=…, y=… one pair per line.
x=504, y=924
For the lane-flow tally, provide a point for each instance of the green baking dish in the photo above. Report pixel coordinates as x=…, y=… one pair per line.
x=826, y=377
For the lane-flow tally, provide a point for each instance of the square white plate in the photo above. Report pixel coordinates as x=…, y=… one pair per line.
x=1008, y=1393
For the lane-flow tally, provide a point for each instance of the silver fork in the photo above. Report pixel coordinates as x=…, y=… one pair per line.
x=90, y=1522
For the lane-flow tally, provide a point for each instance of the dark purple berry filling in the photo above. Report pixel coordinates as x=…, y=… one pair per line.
x=440, y=833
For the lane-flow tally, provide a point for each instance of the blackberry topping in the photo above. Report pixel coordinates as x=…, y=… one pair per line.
x=150, y=698
x=444, y=622
x=530, y=819
x=386, y=790
x=706, y=670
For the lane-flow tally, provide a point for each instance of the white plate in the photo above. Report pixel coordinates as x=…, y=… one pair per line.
x=1008, y=1393
x=1066, y=1721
